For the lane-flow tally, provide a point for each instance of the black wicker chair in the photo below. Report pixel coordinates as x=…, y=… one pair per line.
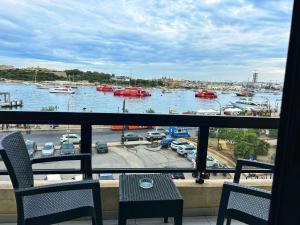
x=249, y=205
x=48, y=204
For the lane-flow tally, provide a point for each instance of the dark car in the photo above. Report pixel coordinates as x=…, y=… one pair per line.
x=131, y=137
x=31, y=147
x=67, y=148
x=101, y=147
x=165, y=143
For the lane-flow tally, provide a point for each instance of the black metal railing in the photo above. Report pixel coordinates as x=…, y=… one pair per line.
x=86, y=120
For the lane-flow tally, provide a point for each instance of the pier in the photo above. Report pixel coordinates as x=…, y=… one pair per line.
x=7, y=103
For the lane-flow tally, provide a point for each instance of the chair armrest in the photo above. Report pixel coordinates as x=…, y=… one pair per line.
x=228, y=187
x=82, y=157
x=84, y=184
x=244, y=162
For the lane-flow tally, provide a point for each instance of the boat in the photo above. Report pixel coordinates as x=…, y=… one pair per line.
x=105, y=88
x=206, y=94
x=207, y=112
x=66, y=90
x=232, y=111
x=132, y=92
x=42, y=86
x=245, y=93
x=248, y=104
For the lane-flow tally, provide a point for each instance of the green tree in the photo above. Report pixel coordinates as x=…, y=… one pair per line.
x=245, y=142
x=150, y=110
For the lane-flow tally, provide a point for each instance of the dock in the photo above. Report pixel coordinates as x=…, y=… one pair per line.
x=5, y=102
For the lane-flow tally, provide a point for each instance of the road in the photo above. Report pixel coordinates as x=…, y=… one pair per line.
x=137, y=156
x=99, y=134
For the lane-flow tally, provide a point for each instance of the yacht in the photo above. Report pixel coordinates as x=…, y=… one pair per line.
x=66, y=90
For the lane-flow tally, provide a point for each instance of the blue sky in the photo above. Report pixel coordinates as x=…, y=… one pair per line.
x=218, y=40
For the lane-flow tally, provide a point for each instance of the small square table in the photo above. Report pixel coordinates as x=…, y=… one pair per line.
x=162, y=200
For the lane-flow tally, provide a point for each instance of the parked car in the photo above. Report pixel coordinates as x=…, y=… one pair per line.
x=106, y=176
x=161, y=130
x=211, y=162
x=131, y=137
x=101, y=147
x=154, y=135
x=67, y=148
x=72, y=138
x=192, y=155
x=31, y=147
x=176, y=143
x=166, y=142
x=48, y=149
x=183, y=150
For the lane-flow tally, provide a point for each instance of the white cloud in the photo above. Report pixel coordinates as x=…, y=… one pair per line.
x=148, y=37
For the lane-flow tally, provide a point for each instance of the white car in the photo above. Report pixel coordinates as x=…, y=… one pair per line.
x=192, y=155
x=154, y=135
x=161, y=130
x=211, y=162
x=48, y=149
x=184, y=150
x=72, y=138
x=175, y=144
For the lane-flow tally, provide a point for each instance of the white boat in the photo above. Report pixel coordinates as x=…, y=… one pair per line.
x=42, y=86
x=207, y=112
x=66, y=90
x=232, y=111
x=247, y=104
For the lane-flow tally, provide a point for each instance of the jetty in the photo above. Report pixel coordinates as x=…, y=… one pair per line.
x=5, y=101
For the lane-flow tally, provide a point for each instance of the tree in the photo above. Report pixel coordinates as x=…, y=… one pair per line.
x=243, y=150
x=245, y=142
x=150, y=110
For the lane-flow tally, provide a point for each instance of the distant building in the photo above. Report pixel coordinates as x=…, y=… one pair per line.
x=6, y=67
x=121, y=78
x=255, y=77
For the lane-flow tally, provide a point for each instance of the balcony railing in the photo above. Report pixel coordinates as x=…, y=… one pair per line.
x=86, y=120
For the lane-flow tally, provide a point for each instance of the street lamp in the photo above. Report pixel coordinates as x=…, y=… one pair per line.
x=219, y=105
x=218, y=129
x=122, y=137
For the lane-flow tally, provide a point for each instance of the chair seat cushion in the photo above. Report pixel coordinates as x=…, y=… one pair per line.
x=56, y=202
x=249, y=204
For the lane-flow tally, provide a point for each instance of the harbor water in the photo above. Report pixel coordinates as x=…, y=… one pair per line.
x=87, y=99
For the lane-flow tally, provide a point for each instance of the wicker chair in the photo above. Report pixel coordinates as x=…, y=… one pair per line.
x=48, y=204
x=249, y=205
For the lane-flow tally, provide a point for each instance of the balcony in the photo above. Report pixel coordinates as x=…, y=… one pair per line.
x=201, y=196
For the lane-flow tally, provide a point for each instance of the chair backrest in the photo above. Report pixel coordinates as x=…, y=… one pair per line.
x=16, y=159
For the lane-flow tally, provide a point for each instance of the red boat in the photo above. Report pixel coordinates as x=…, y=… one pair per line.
x=105, y=88
x=133, y=92
x=206, y=94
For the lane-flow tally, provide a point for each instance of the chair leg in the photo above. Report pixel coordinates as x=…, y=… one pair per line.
x=228, y=221
x=96, y=220
x=223, y=205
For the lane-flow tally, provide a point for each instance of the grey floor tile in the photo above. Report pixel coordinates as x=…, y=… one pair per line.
x=213, y=221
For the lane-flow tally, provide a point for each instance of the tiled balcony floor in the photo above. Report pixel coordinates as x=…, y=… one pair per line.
x=203, y=220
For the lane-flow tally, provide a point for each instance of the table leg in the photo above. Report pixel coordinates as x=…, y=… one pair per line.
x=178, y=220
x=165, y=219
x=122, y=221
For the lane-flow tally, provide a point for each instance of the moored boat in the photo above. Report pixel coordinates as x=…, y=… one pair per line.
x=105, y=88
x=132, y=92
x=245, y=94
x=206, y=94
x=66, y=90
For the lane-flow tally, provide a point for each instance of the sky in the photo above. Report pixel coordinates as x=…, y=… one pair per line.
x=212, y=40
